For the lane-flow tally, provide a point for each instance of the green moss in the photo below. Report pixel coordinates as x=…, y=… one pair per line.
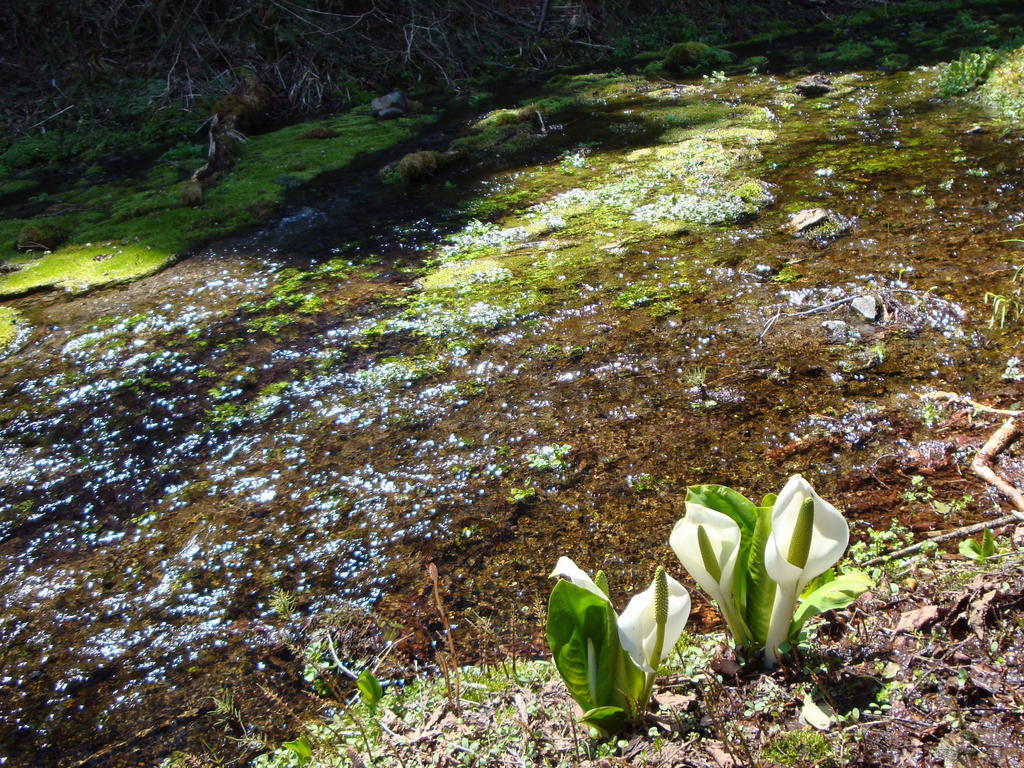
x=79, y=267
x=847, y=53
x=11, y=324
x=1003, y=92
x=799, y=748
x=691, y=57
x=40, y=235
x=150, y=217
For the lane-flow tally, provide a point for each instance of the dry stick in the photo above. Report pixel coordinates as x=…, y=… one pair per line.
x=457, y=698
x=967, y=530
x=813, y=310
x=542, y=17
x=1001, y=439
x=953, y=397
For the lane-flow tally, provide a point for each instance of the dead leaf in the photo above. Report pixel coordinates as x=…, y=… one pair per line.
x=918, y=619
x=816, y=715
x=979, y=610
x=524, y=714
x=722, y=758
x=675, y=701
x=725, y=667
x=986, y=678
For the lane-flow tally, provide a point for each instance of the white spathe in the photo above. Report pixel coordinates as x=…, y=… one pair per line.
x=567, y=569
x=637, y=627
x=829, y=537
x=724, y=536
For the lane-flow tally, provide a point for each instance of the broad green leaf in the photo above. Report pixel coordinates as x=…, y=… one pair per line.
x=819, y=581
x=838, y=593
x=607, y=720
x=301, y=747
x=761, y=588
x=988, y=544
x=727, y=501
x=630, y=682
x=369, y=689
x=969, y=548
x=583, y=635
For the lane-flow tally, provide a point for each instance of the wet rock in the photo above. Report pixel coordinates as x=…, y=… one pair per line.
x=817, y=223
x=814, y=85
x=836, y=330
x=801, y=221
x=417, y=166
x=866, y=306
x=389, y=105
x=40, y=236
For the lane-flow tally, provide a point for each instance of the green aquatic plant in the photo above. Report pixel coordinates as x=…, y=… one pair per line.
x=549, y=457
x=609, y=662
x=757, y=562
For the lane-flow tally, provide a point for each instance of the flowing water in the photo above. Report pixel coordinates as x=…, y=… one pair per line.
x=310, y=408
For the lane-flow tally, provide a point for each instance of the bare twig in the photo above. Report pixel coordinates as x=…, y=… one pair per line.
x=983, y=462
x=966, y=530
x=813, y=310
x=451, y=675
x=55, y=114
x=953, y=397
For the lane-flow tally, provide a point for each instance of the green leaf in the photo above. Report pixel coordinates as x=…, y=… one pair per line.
x=761, y=588
x=819, y=581
x=607, y=720
x=370, y=689
x=583, y=634
x=969, y=548
x=727, y=501
x=301, y=747
x=838, y=593
x=988, y=544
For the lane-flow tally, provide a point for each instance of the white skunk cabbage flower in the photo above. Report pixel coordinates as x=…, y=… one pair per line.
x=808, y=537
x=638, y=625
x=707, y=543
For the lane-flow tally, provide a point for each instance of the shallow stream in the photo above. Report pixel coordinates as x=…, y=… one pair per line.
x=518, y=360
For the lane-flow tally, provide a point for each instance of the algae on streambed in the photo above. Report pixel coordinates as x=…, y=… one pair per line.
x=329, y=404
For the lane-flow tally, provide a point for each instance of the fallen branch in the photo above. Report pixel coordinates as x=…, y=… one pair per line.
x=813, y=310
x=984, y=460
x=966, y=530
x=953, y=397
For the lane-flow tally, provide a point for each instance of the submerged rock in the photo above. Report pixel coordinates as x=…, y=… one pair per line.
x=389, y=105
x=813, y=86
x=417, y=166
x=818, y=224
x=836, y=330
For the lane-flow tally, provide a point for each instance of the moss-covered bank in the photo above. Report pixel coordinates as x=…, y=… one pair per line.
x=126, y=228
